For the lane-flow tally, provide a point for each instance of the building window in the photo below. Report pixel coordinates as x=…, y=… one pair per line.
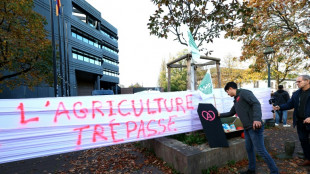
x=74, y=56
x=91, y=22
x=80, y=15
x=110, y=73
x=109, y=50
x=106, y=34
x=112, y=62
x=91, y=41
x=86, y=57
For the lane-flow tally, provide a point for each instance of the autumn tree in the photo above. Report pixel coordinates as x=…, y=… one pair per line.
x=25, y=51
x=232, y=69
x=281, y=24
x=205, y=19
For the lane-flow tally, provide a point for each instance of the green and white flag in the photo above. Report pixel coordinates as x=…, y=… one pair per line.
x=193, y=47
x=206, y=86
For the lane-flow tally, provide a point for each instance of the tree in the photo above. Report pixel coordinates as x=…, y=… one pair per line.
x=136, y=85
x=25, y=51
x=205, y=19
x=162, y=79
x=282, y=24
x=178, y=75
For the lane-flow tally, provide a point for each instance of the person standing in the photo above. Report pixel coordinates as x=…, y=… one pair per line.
x=281, y=97
x=300, y=101
x=248, y=108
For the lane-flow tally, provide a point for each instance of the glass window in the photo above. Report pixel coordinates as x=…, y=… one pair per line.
x=74, y=56
x=73, y=34
x=85, y=40
x=79, y=37
x=80, y=57
x=91, y=42
x=86, y=59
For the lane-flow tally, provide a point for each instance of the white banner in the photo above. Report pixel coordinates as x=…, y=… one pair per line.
x=45, y=126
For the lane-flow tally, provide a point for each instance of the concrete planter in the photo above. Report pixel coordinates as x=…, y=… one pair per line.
x=193, y=159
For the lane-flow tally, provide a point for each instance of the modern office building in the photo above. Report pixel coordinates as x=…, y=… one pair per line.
x=89, y=50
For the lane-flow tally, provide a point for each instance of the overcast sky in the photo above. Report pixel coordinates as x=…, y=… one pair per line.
x=140, y=55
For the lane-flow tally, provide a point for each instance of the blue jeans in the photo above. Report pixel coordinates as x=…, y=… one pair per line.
x=254, y=139
x=284, y=116
x=303, y=131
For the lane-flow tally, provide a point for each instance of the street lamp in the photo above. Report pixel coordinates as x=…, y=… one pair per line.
x=269, y=53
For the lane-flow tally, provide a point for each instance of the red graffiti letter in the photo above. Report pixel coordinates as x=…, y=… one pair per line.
x=97, y=133
x=119, y=109
x=178, y=103
x=141, y=128
x=189, y=101
x=62, y=112
x=84, y=111
x=148, y=107
x=171, y=102
x=164, y=127
x=22, y=115
x=171, y=122
x=130, y=130
x=114, y=132
x=158, y=103
x=96, y=108
x=79, y=141
x=134, y=108
x=151, y=130
x=111, y=108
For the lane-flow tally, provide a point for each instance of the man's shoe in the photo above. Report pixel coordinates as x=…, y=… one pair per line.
x=276, y=124
x=248, y=172
x=305, y=163
x=286, y=125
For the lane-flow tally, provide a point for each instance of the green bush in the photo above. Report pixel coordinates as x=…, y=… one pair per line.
x=194, y=138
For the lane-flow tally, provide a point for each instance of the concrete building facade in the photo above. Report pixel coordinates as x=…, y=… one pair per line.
x=90, y=45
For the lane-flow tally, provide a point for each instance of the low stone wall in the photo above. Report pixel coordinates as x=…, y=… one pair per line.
x=193, y=159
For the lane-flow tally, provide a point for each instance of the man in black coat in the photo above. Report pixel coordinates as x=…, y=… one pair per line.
x=248, y=108
x=281, y=97
x=300, y=101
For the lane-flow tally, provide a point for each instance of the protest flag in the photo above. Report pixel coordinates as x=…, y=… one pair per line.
x=206, y=87
x=193, y=47
x=58, y=5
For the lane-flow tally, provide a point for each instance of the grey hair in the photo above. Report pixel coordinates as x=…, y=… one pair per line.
x=305, y=77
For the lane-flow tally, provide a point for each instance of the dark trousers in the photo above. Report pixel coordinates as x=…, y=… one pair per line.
x=303, y=131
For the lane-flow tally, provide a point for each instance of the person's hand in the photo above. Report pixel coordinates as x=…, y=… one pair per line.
x=257, y=124
x=307, y=120
x=276, y=108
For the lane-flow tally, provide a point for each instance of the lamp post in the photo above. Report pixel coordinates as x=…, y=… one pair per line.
x=269, y=53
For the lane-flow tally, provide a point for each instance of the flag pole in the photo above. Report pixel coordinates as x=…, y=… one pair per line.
x=68, y=63
x=60, y=59
x=65, y=57
x=54, y=49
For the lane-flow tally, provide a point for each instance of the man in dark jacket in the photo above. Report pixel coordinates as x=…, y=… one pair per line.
x=300, y=101
x=249, y=111
x=281, y=97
